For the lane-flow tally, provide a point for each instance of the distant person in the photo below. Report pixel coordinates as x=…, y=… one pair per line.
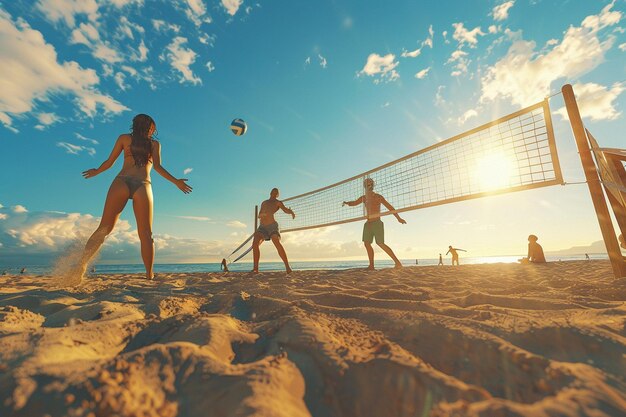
x=223, y=265
x=455, y=255
x=416, y=262
x=374, y=227
x=440, y=260
x=141, y=153
x=587, y=256
x=22, y=270
x=93, y=269
x=268, y=229
x=535, y=251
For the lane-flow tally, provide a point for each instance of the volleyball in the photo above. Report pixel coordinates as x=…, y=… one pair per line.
x=239, y=127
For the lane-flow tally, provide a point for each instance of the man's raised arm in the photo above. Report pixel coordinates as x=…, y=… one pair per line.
x=390, y=208
x=287, y=210
x=353, y=203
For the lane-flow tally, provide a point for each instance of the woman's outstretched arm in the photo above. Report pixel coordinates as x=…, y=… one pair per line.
x=156, y=157
x=117, y=149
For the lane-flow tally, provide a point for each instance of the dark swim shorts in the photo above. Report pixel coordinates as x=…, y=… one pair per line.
x=268, y=230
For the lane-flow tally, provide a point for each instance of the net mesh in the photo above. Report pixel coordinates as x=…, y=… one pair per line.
x=513, y=153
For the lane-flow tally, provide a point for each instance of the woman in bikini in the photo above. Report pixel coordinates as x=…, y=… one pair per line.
x=141, y=154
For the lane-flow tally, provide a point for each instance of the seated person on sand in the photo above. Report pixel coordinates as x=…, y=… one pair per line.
x=535, y=251
x=374, y=227
x=268, y=229
x=455, y=255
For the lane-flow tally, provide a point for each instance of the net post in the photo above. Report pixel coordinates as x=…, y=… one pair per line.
x=593, y=181
x=256, y=218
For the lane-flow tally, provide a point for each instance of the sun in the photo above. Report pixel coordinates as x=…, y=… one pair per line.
x=493, y=171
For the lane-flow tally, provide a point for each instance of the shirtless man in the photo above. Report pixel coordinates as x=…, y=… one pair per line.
x=268, y=230
x=374, y=227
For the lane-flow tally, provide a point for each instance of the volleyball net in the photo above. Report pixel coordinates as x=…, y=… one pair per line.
x=516, y=152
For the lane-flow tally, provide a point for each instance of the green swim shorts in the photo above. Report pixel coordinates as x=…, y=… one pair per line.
x=375, y=229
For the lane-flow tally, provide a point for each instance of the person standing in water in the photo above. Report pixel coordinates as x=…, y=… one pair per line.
x=455, y=255
x=374, y=227
x=224, y=265
x=141, y=153
x=269, y=230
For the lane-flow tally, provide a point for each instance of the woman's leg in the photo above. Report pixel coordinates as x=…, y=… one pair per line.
x=113, y=206
x=142, y=205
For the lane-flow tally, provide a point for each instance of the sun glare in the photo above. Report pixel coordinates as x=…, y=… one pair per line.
x=493, y=171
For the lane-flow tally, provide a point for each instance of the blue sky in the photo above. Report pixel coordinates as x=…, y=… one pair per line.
x=329, y=89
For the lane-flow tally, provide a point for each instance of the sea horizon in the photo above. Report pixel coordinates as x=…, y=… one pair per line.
x=39, y=269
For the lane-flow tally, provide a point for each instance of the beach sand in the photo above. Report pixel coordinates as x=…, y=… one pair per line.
x=475, y=340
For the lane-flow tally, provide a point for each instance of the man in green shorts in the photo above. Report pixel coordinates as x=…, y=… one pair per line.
x=374, y=227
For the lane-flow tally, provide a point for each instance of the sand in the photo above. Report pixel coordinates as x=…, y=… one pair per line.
x=474, y=340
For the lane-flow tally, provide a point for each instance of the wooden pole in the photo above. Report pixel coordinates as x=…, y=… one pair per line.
x=256, y=218
x=593, y=181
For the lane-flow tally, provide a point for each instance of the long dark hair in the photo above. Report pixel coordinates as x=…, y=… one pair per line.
x=141, y=140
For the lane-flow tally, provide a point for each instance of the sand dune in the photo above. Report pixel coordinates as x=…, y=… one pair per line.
x=475, y=340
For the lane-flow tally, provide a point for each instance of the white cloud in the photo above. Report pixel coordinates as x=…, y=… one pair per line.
x=411, y=54
x=106, y=53
x=429, y=41
x=231, y=6
x=19, y=209
x=423, y=73
x=195, y=218
x=382, y=67
x=30, y=72
x=119, y=80
x=76, y=149
x=439, y=100
x=307, y=61
x=444, y=34
x=622, y=47
x=66, y=10
x=44, y=235
x=142, y=53
x=162, y=25
x=501, y=11
x=196, y=12
x=181, y=59
x=323, y=62
x=463, y=36
x=210, y=67
x=467, y=115
x=3, y=216
x=493, y=29
x=47, y=119
x=187, y=171
x=81, y=137
x=460, y=61
x=595, y=101
x=207, y=39
x=236, y=224
x=524, y=76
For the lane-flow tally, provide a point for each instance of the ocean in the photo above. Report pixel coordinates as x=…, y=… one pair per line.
x=278, y=266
